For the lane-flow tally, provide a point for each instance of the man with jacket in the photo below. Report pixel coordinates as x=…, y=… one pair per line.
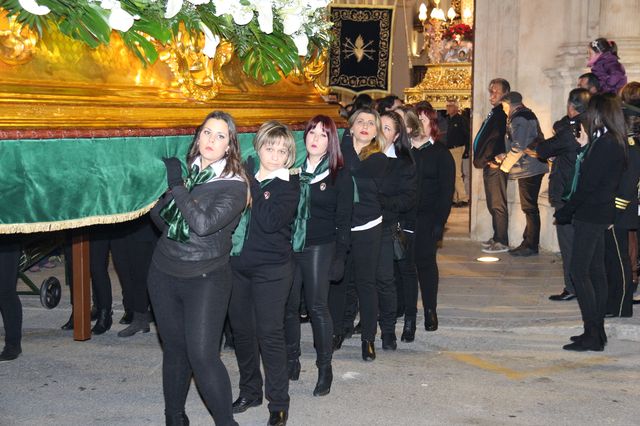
x=488, y=143
x=563, y=148
x=523, y=130
x=458, y=144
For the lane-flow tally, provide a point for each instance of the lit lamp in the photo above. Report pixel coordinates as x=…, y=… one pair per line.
x=451, y=14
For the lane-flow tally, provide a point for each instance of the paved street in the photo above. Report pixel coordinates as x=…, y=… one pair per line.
x=496, y=359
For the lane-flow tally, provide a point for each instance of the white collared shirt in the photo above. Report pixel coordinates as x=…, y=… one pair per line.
x=217, y=167
x=391, y=152
x=280, y=174
x=309, y=169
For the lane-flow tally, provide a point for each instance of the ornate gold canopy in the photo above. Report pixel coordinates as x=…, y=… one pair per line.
x=60, y=83
x=441, y=82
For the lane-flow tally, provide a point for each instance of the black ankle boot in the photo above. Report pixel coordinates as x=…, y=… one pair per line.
x=409, y=330
x=389, y=341
x=325, y=377
x=590, y=341
x=104, y=321
x=278, y=418
x=11, y=352
x=69, y=324
x=431, y=320
x=293, y=368
x=127, y=318
x=178, y=419
x=368, y=350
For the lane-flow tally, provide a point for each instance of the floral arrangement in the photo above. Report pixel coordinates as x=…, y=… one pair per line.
x=459, y=32
x=268, y=36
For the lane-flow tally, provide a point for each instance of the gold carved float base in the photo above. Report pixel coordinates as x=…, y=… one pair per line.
x=442, y=82
x=59, y=83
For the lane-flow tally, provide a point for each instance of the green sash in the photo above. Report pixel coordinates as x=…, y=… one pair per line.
x=303, y=214
x=576, y=174
x=178, y=226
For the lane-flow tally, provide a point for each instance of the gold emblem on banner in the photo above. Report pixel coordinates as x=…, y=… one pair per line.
x=359, y=49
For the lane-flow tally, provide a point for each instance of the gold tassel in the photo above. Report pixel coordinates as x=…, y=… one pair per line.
x=25, y=228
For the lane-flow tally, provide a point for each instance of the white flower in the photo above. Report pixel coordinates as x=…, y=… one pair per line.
x=120, y=19
x=302, y=43
x=291, y=22
x=197, y=2
x=242, y=15
x=108, y=4
x=265, y=16
x=173, y=7
x=211, y=41
x=32, y=7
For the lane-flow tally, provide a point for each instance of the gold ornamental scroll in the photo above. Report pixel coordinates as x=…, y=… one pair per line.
x=60, y=83
x=441, y=82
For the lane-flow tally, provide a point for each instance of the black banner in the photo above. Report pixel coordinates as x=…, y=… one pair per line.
x=360, y=56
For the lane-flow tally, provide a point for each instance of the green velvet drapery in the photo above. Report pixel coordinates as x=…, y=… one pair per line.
x=53, y=184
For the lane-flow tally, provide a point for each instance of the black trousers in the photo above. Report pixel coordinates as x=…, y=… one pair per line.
x=426, y=247
x=256, y=314
x=620, y=287
x=361, y=268
x=588, y=270
x=565, y=241
x=132, y=260
x=10, y=306
x=529, y=188
x=190, y=314
x=99, y=247
x=406, y=277
x=495, y=189
x=311, y=283
x=385, y=284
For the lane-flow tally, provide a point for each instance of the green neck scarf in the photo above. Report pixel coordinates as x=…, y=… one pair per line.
x=178, y=226
x=241, y=233
x=576, y=174
x=303, y=214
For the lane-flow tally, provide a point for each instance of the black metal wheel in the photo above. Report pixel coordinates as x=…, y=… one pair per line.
x=50, y=293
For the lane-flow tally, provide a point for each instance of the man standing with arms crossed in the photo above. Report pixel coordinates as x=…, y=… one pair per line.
x=489, y=143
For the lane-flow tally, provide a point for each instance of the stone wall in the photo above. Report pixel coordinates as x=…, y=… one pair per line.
x=541, y=48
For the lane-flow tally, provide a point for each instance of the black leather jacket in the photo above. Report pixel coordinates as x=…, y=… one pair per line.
x=212, y=211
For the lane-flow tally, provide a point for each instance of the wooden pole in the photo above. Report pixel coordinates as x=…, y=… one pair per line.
x=81, y=289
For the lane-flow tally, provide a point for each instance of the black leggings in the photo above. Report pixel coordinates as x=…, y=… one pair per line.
x=10, y=306
x=190, y=314
x=426, y=246
x=362, y=265
x=588, y=271
x=312, y=276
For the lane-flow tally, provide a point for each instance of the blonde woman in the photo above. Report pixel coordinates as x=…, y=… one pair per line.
x=262, y=264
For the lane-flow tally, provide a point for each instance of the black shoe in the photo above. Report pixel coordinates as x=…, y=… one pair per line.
x=389, y=342
x=523, y=251
x=358, y=328
x=178, y=419
x=127, y=317
x=565, y=295
x=305, y=318
x=104, y=321
x=293, y=368
x=368, y=351
x=325, y=377
x=140, y=323
x=591, y=340
x=430, y=320
x=241, y=404
x=337, y=341
x=278, y=418
x=408, y=331
x=69, y=324
x=10, y=352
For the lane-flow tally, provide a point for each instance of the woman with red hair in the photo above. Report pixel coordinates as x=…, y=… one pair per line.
x=435, y=170
x=320, y=243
